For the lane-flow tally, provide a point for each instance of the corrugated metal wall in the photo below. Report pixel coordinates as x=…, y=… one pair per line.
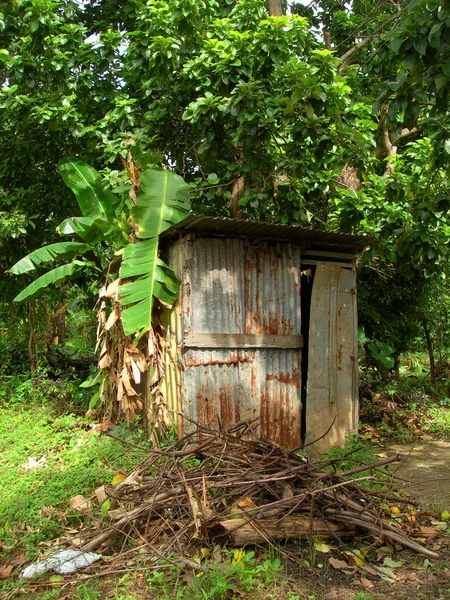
x=238, y=286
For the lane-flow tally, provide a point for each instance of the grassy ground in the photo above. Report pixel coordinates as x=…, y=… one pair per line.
x=48, y=456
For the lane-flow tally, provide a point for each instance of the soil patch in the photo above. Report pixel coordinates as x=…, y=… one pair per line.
x=425, y=467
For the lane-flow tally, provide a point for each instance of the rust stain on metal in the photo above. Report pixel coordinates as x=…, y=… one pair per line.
x=233, y=359
x=232, y=287
x=287, y=378
x=187, y=297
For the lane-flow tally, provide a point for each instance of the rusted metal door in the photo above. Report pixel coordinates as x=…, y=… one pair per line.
x=241, y=351
x=332, y=385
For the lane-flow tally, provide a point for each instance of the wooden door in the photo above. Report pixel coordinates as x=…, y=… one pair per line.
x=332, y=385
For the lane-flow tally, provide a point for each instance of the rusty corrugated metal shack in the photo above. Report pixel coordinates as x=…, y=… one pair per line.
x=265, y=326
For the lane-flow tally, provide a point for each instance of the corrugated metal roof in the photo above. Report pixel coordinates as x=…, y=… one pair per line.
x=229, y=228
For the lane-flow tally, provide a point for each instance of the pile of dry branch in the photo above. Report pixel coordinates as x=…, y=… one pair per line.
x=216, y=487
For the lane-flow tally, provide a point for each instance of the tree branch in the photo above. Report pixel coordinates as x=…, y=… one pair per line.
x=275, y=8
x=345, y=57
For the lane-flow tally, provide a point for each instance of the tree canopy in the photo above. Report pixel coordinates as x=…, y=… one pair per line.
x=334, y=115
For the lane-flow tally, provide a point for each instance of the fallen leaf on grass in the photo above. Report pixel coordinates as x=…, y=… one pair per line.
x=118, y=479
x=428, y=531
x=103, y=427
x=407, y=577
x=101, y=494
x=333, y=595
x=341, y=565
x=81, y=504
x=393, y=564
x=338, y=564
x=19, y=560
x=5, y=571
x=321, y=546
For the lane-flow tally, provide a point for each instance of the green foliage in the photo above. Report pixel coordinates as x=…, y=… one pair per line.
x=238, y=572
x=162, y=202
x=56, y=275
x=48, y=254
x=76, y=461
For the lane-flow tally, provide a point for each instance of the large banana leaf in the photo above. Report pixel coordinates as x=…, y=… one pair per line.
x=162, y=202
x=48, y=254
x=89, y=229
x=94, y=199
x=62, y=273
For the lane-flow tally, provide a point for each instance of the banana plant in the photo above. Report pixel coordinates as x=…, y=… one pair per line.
x=97, y=205
x=163, y=200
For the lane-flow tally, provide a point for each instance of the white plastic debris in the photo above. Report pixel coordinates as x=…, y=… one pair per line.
x=62, y=562
x=34, y=463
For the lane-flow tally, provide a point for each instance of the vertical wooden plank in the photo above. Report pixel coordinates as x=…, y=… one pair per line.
x=332, y=353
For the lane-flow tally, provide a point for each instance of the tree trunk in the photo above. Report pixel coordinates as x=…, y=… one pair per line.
x=275, y=8
x=236, y=194
x=430, y=350
x=60, y=322
x=32, y=344
x=240, y=532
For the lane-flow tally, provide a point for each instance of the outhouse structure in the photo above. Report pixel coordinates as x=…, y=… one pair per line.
x=265, y=326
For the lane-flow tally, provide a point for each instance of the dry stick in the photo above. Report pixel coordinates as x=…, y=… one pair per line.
x=328, y=462
x=127, y=443
x=395, y=536
x=391, y=498
x=317, y=439
x=134, y=514
x=344, y=483
x=374, y=465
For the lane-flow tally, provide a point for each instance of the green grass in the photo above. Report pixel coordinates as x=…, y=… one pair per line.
x=35, y=502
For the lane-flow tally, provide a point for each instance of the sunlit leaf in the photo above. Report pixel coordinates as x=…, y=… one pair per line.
x=48, y=254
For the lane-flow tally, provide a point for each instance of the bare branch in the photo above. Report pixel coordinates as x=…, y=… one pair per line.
x=345, y=57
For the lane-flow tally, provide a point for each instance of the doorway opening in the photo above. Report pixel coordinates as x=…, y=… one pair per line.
x=306, y=286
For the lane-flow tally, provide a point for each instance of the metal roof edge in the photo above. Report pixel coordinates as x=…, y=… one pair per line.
x=227, y=227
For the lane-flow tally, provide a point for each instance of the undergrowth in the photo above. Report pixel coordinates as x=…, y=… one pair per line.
x=46, y=459
x=406, y=407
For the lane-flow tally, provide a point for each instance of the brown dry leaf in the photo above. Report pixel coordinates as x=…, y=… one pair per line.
x=407, y=577
x=112, y=290
x=428, y=531
x=338, y=564
x=5, y=571
x=113, y=317
x=104, y=427
x=333, y=595
x=101, y=494
x=195, y=506
x=19, y=560
x=136, y=371
x=81, y=504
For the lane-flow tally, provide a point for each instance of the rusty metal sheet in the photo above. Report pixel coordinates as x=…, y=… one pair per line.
x=231, y=286
x=332, y=367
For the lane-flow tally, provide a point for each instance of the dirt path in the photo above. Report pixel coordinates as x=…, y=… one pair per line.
x=426, y=468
